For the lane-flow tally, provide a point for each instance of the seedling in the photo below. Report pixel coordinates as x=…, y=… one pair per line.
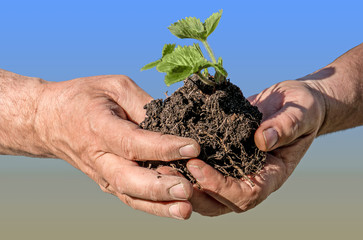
x=222, y=121
x=180, y=62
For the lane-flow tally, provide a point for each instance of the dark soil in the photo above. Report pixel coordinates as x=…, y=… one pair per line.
x=219, y=118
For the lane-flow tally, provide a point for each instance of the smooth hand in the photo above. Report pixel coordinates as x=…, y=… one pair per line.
x=293, y=112
x=92, y=123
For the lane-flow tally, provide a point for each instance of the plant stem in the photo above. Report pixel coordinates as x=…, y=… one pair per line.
x=205, y=72
x=205, y=80
x=209, y=50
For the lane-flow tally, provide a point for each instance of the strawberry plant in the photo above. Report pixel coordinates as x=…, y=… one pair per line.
x=209, y=109
x=180, y=62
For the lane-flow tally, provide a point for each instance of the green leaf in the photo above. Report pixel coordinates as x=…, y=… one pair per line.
x=190, y=27
x=220, y=61
x=196, y=45
x=182, y=62
x=220, y=70
x=178, y=74
x=187, y=56
x=167, y=49
x=150, y=65
x=212, y=22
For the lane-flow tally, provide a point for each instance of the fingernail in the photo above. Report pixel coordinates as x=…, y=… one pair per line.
x=178, y=192
x=188, y=151
x=174, y=211
x=196, y=171
x=271, y=137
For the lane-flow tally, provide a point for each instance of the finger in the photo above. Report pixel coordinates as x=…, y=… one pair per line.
x=202, y=203
x=127, y=178
x=127, y=94
x=284, y=127
x=289, y=112
x=133, y=101
x=206, y=205
x=252, y=98
x=166, y=170
x=178, y=210
x=238, y=195
x=269, y=101
x=128, y=140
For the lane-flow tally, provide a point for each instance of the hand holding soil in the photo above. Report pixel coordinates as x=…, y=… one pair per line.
x=92, y=123
x=294, y=114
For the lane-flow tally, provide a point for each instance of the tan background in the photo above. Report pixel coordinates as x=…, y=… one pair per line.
x=48, y=199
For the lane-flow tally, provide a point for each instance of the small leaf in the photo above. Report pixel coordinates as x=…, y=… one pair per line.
x=220, y=69
x=178, y=74
x=221, y=73
x=150, y=65
x=190, y=27
x=167, y=49
x=206, y=73
x=196, y=45
x=220, y=61
x=188, y=56
x=212, y=22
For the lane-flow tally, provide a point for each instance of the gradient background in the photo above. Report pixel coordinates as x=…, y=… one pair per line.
x=261, y=42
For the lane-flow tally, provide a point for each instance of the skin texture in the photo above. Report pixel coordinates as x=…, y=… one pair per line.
x=295, y=113
x=92, y=123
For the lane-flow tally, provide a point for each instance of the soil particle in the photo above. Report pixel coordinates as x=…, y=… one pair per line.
x=219, y=118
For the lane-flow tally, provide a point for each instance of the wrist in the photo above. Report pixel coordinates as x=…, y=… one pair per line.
x=322, y=103
x=341, y=94
x=19, y=102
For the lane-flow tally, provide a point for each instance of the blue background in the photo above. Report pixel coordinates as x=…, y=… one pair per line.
x=261, y=42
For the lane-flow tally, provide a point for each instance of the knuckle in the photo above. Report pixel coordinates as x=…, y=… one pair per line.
x=127, y=150
x=155, y=210
x=124, y=79
x=219, y=186
x=163, y=151
x=90, y=171
x=245, y=206
x=128, y=201
x=155, y=190
x=215, y=187
x=293, y=123
x=104, y=189
x=251, y=200
x=117, y=181
x=122, y=82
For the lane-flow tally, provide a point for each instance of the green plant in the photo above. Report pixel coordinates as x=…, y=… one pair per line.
x=180, y=62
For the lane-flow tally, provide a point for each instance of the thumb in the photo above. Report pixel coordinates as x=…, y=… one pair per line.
x=282, y=128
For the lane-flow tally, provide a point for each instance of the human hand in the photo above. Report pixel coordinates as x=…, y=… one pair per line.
x=92, y=123
x=293, y=112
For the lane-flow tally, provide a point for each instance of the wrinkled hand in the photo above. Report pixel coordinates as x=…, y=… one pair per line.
x=92, y=123
x=293, y=112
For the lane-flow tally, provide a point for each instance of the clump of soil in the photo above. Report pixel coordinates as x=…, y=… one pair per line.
x=219, y=118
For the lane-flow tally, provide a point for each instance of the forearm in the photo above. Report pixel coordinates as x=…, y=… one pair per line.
x=19, y=96
x=341, y=86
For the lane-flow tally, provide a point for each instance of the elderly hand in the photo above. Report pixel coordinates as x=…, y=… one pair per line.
x=293, y=112
x=92, y=123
